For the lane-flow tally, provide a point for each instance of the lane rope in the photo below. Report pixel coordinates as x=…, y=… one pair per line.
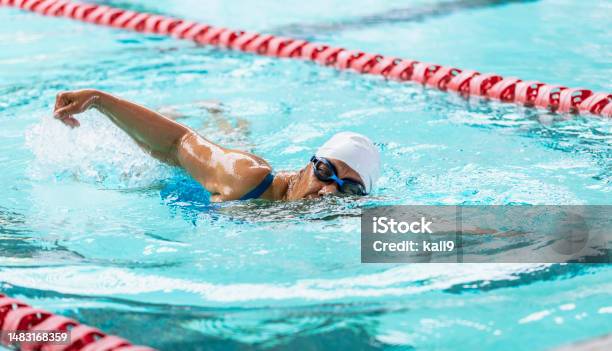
x=556, y=98
x=18, y=316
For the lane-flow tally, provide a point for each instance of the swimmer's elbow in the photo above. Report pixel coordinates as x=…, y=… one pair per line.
x=169, y=153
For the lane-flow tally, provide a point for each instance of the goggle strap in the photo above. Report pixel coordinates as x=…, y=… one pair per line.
x=337, y=180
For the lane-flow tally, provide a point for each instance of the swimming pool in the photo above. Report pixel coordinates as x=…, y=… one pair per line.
x=93, y=229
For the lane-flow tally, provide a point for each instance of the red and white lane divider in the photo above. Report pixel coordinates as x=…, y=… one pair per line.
x=17, y=316
x=465, y=82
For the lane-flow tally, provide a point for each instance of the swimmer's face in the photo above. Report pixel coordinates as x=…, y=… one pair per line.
x=308, y=186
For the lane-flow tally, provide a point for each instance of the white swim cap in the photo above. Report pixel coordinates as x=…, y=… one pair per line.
x=358, y=152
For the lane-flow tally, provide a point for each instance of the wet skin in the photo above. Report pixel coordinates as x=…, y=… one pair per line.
x=226, y=173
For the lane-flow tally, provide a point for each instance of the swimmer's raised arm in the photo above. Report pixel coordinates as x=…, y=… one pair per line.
x=227, y=174
x=155, y=133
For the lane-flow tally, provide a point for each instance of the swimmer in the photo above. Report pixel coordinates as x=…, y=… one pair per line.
x=348, y=163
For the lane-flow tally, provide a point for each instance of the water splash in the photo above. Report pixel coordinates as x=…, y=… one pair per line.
x=97, y=152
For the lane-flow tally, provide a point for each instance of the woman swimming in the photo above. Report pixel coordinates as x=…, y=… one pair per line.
x=348, y=163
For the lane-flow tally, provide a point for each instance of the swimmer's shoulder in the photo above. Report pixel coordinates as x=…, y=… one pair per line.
x=227, y=174
x=249, y=171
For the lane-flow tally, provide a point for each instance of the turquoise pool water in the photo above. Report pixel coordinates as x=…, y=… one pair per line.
x=92, y=228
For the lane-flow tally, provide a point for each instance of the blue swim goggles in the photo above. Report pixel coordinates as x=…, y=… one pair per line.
x=326, y=172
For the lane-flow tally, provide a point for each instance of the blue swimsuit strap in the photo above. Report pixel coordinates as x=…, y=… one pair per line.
x=260, y=189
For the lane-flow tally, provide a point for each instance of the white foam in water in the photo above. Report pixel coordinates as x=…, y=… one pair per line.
x=96, y=152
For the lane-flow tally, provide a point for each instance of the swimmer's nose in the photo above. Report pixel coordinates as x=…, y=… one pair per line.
x=328, y=189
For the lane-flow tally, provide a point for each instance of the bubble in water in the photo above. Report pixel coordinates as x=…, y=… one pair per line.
x=97, y=152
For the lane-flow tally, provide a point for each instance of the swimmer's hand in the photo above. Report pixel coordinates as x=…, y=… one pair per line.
x=70, y=103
